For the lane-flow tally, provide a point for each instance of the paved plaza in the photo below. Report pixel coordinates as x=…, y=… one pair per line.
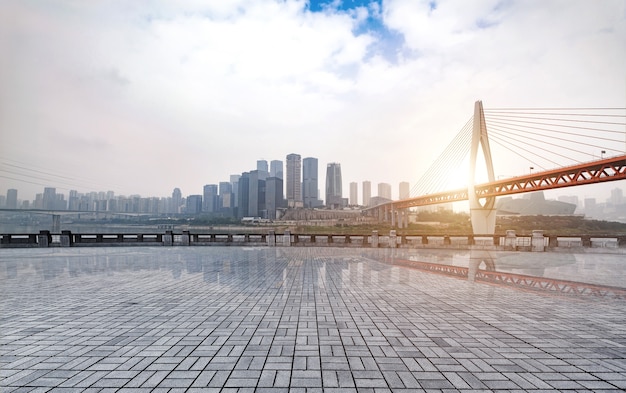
x=235, y=319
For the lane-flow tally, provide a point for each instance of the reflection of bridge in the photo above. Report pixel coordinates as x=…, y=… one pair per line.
x=482, y=196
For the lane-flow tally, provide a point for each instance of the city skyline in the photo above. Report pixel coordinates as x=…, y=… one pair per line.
x=105, y=96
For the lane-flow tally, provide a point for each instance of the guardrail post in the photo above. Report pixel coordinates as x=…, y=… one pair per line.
x=66, y=238
x=553, y=241
x=43, y=239
x=375, y=239
x=168, y=238
x=393, y=239
x=510, y=240
x=538, y=242
x=424, y=239
x=185, y=238
x=272, y=239
x=586, y=241
x=287, y=238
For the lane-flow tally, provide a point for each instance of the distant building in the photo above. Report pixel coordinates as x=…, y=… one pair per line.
x=276, y=169
x=11, y=202
x=384, y=190
x=294, y=184
x=274, y=199
x=261, y=166
x=210, y=198
x=225, y=200
x=404, y=190
x=334, y=197
x=533, y=204
x=617, y=196
x=176, y=201
x=354, y=194
x=194, y=204
x=49, y=198
x=367, y=192
x=243, y=194
x=234, y=182
x=310, y=183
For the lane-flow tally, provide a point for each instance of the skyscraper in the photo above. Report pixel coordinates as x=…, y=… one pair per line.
x=176, y=201
x=243, y=185
x=261, y=166
x=310, y=183
x=384, y=190
x=276, y=169
x=11, y=199
x=294, y=185
x=49, y=198
x=273, y=196
x=334, y=198
x=405, y=192
x=234, y=181
x=225, y=203
x=209, y=198
x=194, y=204
x=354, y=194
x=367, y=192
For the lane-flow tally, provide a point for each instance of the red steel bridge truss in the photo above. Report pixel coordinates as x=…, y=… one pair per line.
x=604, y=170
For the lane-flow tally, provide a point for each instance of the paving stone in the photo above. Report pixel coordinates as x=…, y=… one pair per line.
x=229, y=319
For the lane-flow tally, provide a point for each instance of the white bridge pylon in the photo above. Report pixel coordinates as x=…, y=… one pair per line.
x=482, y=213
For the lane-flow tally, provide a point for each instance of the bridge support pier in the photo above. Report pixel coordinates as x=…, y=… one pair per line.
x=56, y=223
x=483, y=220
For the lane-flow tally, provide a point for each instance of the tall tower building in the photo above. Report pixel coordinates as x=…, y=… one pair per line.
x=261, y=166
x=243, y=194
x=11, y=199
x=234, y=181
x=367, y=192
x=354, y=194
x=177, y=199
x=384, y=190
x=405, y=190
x=225, y=203
x=294, y=185
x=310, y=182
x=49, y=198
x=273, y=196
x=276, y=169
x=334, y=198
x=209, y=198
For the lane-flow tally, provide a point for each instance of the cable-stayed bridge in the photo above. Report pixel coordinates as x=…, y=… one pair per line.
x=564, y=147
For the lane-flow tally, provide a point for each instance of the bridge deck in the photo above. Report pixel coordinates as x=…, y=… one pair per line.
x=283, y=319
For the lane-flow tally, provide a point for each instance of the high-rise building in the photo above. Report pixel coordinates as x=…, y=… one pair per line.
x=617, y=196
x=261, y=166
x=256, y=194
x=234, y=181
x=405, y=190
x=367, y=192
x=276, y=169
x=334, y=199
x=225, y=203
x=194, y=204
x=354, y=193
x=310, y=183
x=210, y=198
x=49, y=198
x=273, y=196
x=177, y=199
x=294, y=184
x=243, y=186
x=384, y=190
x=11, y=202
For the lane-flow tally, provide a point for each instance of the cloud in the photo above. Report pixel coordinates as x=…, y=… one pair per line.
x=215, y=86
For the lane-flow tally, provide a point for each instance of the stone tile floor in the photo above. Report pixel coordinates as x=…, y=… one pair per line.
x=229, y=319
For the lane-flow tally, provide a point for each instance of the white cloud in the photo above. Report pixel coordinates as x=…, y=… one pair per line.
x=217, y=86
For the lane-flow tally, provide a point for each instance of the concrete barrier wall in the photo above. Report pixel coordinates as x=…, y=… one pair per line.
x=536, y=242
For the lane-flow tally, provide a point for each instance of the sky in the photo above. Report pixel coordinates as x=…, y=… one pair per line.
x=140, y=97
